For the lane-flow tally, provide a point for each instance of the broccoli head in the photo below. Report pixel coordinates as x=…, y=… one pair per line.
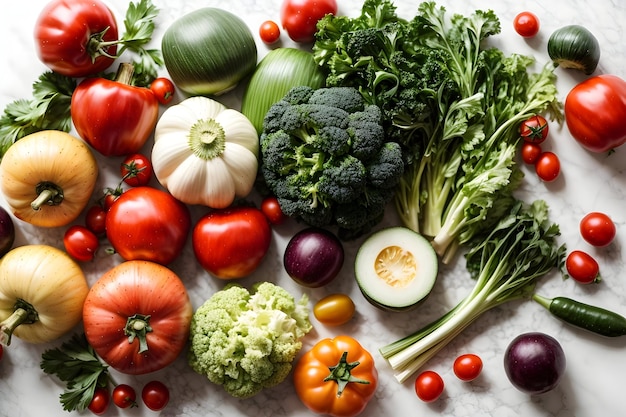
x=325, y=148
x=246, y=341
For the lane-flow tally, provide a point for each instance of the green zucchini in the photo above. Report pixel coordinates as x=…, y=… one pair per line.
x=208, y=51
x=396, y=268
x=574, y=46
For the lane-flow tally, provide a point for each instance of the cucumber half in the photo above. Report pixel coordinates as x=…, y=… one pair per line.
x=396, y=268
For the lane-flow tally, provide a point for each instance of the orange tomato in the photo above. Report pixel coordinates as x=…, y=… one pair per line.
x=337, y=377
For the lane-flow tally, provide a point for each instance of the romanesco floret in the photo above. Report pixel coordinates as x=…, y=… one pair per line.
x=246, y=341
x=324, y=148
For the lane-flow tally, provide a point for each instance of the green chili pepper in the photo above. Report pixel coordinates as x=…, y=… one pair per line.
x=595, y=319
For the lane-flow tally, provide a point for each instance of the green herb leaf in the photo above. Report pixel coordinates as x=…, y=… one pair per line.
x=77, y=364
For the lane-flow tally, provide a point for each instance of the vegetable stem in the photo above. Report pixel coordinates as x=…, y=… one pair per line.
x=137, y=327
x=24, y=313
x=342, y=374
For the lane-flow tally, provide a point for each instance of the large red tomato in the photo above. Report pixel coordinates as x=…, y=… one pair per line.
x=137, y=317
x=231, y=243
x=299, y=17
x=69, y=36
x=149, y=224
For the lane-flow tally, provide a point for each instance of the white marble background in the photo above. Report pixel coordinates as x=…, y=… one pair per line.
x=596, y=368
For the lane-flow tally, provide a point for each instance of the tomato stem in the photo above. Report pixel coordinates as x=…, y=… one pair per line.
x=342, y=374
x=137, y=327
x=23, y=313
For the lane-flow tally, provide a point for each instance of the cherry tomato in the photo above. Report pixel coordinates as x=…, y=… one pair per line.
x=271, y=208
x=136, y=170
x=110, y=196
x=334, y=309
x=530, y=152
x=548, y=166
x=163, y=89
x=429, y=386
x=526, y=24
x=95, y=219
x=269, y=32
x=299, y=17
x=124, y=396
x=597, y=229
x=81, y=243
x=534, y=129
x=100, y=401
x=155, y=395
x=467, y=367
x=582, y=267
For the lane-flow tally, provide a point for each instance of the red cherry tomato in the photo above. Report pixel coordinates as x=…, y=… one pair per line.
x=269, y=32
x=95, y=219
x=124, y=396
x=271, y=208
x=534, y=129
x=467, y=367
x=81, y=243
x=530, y=152
x=299, y=17
x=163, y=89
x=136, y=170
x=526, y=24
x=582, y=267
x=100, y=401
x=110, y=196
x=597, y=229
x=429, y=386
x=155, y=395
x=548, y=166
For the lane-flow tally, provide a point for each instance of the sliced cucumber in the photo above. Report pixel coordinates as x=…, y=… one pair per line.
x=396, y=268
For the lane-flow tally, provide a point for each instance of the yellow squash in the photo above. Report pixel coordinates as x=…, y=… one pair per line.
x=48, y=177
x=42, y=291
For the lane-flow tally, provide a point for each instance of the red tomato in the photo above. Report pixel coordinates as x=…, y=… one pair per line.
x=115, y=118
x=110, y=197
x=534, y=129
x=231, y=243
x=155, y=395
x=137, y=316
x=80, y=243
x=526, y=24
x=595, y=111
x=271, y=208
x=100, y=401
x=163, y=89
x=124, y=396
x=429, y=386
x=531, y=152
x=582, y=267
x=148, y=223
x=467, y=367
x=95, y=219
x=269, y=32
x=69, y=36
x=597, y=229
x=136, y=170
x=299, y=17
x=548, y=166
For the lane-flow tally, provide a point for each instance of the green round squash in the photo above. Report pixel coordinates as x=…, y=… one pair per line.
x=208, y=51
x=575, y=47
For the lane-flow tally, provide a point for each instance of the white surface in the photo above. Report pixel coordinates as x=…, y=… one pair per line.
x=596, y=367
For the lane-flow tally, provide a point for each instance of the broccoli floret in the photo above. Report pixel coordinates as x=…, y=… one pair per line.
x=327, y=151
x=366, y=129
x=246, y=341
x=387, y=167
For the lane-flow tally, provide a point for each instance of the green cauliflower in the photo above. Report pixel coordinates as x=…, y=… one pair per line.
x=246, y=340
x=325, y=156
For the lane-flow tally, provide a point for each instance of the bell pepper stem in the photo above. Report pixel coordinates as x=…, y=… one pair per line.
x=342, y=374
x=137, y=327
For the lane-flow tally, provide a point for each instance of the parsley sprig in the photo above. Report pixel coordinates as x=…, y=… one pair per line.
x=49, y=106
x=76, y=364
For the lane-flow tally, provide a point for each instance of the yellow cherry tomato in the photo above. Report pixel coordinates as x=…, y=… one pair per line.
x=334, y=309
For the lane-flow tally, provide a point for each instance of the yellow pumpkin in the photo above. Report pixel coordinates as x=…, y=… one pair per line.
x=42, y=291
x=48, y=177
